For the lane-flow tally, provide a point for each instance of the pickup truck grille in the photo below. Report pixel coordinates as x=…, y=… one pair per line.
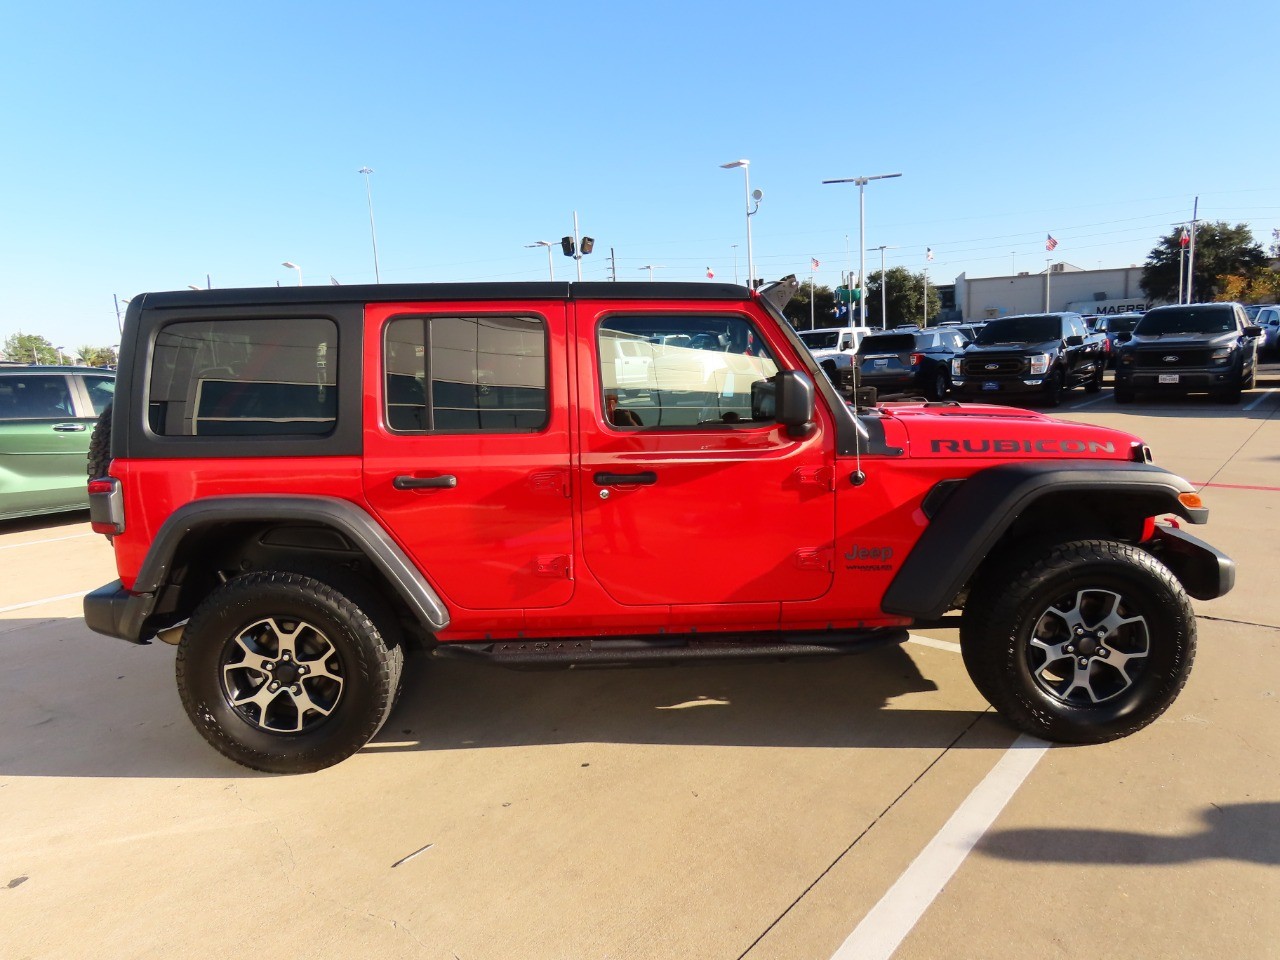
x=1171, y=358
x=993, y=366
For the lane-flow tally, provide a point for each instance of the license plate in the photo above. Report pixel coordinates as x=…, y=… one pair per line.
x=881, y=363
x=1168, y=378
x=990, y=385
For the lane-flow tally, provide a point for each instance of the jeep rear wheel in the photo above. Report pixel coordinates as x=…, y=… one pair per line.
x=1082, y=643
x=283, y=673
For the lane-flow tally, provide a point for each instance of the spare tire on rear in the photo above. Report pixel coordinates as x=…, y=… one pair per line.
x=100, y=446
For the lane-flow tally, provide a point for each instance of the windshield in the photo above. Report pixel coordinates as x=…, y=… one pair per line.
x=1207, y=319
x=1021, y=330
x=1121, y=324
x=820, y=339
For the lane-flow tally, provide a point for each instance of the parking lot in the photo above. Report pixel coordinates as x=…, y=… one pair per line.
x=813, y=809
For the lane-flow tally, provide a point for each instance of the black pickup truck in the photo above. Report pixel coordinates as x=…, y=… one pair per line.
x=1035, y=356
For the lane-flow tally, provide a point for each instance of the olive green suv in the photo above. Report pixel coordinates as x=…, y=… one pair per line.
x=46, y=417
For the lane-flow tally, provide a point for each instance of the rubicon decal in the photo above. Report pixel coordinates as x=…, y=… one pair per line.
x=1021, y=446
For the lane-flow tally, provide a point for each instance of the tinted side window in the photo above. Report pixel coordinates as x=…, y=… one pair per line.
x=244, y=378
x=466, y=375
x=35, y=397
x=663, y=370
x=101, y=390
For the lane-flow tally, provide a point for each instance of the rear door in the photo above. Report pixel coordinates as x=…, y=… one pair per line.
x=44, y=443
x=466, y=457
x=691, y=493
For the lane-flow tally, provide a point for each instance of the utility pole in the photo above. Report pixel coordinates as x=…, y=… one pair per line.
x=613, y=266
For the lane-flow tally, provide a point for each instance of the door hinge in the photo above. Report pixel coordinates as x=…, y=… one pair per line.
x=824, y=477
x=815, y=558
x=553, y=567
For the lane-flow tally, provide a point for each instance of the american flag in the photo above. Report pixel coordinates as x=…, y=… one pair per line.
x=1050, y=243
x=710, y=274
x=1183, y=237
x=813, y=263
x=928, y=253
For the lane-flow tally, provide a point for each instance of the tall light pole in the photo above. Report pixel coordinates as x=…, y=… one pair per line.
x=1191, y=253
x=651, y=267
x=862, y=232
x=548, y=244
x=294, y=266
x=884, y=289
x=368, y=193
x=757, y=197
x=735, y=263
x=1048, y=269
x=119, y=318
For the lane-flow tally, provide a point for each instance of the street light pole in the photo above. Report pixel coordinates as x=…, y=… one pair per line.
x=862, y=232
x=1191, y=253
x=368, y=192
x=651, y=267
x=548, y=244
x=757, y=197
x=294, y=266
x=884, y=289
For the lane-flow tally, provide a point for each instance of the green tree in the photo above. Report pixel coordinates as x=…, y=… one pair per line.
x=1221, y=251
x=30, y=348
x=903, y=294
x=97, y=356
x=797, y=311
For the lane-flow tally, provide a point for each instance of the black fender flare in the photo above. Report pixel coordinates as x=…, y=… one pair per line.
x=975, y=512
x=124, y=614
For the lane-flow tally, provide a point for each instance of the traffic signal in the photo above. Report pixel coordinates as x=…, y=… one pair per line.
x=588, y=244
x=566, y=244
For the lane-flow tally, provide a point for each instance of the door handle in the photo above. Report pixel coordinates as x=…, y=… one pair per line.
x=69, y=427
x=643, y=478
x=421, y=483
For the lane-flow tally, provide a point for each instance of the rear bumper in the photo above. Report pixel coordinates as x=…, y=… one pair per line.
x=115, y=612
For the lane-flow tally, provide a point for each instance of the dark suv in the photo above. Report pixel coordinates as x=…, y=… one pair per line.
x=1192, y=348
x=916, y=363
x=302, y=484
x=1036, y=356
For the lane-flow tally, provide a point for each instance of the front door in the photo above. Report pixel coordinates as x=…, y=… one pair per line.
x=467, y=447
x=691, y=493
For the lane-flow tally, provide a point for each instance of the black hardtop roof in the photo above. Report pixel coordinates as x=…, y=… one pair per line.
x=418, y=292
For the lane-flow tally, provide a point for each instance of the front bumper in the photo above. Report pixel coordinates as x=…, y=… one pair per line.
x=1006, y=386
x=1204, y=571
x=1196, y=379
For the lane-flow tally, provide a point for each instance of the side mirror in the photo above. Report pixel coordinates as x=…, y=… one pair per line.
x=793, y=402
x=1075, y=340
x=1254, y=331
x=1123, y=336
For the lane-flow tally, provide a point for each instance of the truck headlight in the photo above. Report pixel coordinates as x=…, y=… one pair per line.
x=1222, y=354
x=1039, y=364
x=956, y=370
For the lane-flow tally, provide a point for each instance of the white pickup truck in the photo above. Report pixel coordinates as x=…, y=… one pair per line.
x=834, y=347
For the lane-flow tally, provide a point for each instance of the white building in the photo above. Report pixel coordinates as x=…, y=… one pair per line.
x=1069, y=288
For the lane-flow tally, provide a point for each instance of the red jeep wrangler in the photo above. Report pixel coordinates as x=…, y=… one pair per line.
x=301, y=483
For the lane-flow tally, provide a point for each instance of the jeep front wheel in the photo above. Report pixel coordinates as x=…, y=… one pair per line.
x=1082, y=643
x=283, y=673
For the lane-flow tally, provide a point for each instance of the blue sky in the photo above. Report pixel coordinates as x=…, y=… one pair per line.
x=149, y=145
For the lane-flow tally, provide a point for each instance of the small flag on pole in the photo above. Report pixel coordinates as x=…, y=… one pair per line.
x=710, y=274
x=1183, y=237
x=333, y=281
x=813, y=263
x=1050, y=243
x=928, y=253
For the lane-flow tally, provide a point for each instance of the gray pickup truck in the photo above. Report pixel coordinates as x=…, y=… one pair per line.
x=1033, y=356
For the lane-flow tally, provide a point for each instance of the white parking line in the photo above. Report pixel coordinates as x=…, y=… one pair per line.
x=936, y=644
x=37, y=603
x=1078, y=406
x=887, y=925
x=32, y=543
x=1265, y=394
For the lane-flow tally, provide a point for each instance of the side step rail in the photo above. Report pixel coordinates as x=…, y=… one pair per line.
x=669, y=648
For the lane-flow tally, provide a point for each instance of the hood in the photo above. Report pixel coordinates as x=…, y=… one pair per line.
x=1003, y=433
x=1186, y=339
x=1044, y=347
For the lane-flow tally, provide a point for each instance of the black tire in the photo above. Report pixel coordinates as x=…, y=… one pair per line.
x=1123, y=395
x=1094, y=383
x=344, y=670
x=939, y=390
x=1054, y=389
x=99, y=460
x=1139, y=666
